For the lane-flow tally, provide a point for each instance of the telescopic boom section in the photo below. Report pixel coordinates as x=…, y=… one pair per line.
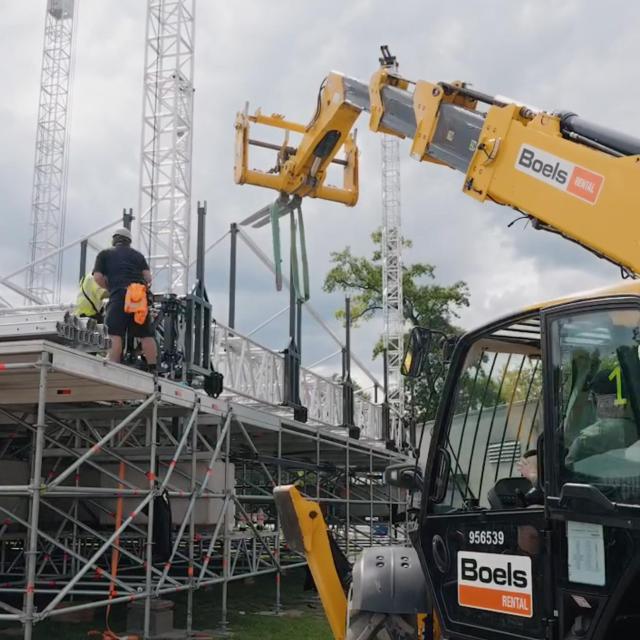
x=568, y=175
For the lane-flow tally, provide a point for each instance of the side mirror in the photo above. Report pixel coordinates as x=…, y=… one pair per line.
x=417, y=348
x=404, y=476
x=421, y=342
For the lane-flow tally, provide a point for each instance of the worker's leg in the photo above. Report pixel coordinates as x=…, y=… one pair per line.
x=115, y=352
x=150, y=351
x=116, y=325
x=149, y=347
x=147, y=335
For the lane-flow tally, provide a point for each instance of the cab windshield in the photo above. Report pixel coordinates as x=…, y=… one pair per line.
x=596, y=378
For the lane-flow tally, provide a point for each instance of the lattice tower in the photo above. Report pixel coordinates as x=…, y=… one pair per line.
x=167, y=124
x=48, y=203
x=392, y=305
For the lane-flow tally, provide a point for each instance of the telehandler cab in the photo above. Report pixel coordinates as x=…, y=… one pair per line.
x=545, y=547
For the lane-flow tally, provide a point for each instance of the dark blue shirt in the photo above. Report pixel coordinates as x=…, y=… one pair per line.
x=121, y=265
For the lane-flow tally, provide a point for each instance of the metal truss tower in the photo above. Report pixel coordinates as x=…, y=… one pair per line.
x=48, y=204
x=392, y=303
x=167, y=126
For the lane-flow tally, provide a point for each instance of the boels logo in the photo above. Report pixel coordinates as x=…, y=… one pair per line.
x=495, y=582
x=559, y=173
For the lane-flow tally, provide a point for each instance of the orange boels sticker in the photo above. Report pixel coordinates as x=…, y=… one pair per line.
x=495, y=600
x=585, y=184
x=495, y=582
x=559, y=173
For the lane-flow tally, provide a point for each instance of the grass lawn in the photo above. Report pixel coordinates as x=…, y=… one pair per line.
x=251, y=604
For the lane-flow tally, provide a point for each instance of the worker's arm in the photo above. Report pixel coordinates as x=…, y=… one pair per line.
x=143, y=265
x=566, y=175
x=100, y=279
x=99, y=270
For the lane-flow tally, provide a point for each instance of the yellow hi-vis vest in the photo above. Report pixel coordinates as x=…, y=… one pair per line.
x=89, y=302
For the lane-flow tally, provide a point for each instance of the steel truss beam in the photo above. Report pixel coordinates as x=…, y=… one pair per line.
x=253, y=375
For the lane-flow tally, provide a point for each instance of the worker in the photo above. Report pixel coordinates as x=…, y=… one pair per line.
x=125, y=273
x=90, y=300
x=528, y=466
x=614, y=427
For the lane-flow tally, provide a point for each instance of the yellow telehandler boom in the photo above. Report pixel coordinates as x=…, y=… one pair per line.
x=567, y=175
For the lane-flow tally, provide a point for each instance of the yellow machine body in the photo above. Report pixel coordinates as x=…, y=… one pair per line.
x=583, y=188
x=521, y=159
x=305, y=531
x=302, y=171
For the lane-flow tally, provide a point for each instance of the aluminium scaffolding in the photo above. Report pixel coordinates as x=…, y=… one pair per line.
x=48, y=202
x=88, y=449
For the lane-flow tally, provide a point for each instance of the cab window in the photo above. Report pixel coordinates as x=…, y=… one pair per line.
x=494, y=422
x=596, y=386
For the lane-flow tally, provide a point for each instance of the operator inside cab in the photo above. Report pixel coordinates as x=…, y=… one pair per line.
x=598, y=384
x=125, y=273
x=614, y=426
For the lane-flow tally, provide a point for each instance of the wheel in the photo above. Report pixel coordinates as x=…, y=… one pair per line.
x=366, y=625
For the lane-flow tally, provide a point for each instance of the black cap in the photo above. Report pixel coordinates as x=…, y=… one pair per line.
x=603, y=384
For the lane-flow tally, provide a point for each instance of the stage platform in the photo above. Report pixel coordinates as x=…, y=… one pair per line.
x=89, y=449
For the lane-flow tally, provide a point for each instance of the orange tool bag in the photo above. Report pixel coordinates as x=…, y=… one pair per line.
x=135, y=301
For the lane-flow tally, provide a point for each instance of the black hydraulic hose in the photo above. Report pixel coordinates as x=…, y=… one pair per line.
x=450, y=89
x=617, y=142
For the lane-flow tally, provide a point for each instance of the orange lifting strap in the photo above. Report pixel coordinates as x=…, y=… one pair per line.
x=135, y=301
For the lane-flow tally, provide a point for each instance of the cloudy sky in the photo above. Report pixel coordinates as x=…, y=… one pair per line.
x=576, y=55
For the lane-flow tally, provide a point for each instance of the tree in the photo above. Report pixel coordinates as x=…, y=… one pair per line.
x=521, y=385
x=426, y=304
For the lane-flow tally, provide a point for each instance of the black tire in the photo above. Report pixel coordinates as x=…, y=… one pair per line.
x=365, y=625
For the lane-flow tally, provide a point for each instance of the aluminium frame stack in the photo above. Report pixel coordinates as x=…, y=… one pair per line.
x=77, y=433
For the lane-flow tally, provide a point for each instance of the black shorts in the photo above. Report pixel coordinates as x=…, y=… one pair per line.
x=119, y=323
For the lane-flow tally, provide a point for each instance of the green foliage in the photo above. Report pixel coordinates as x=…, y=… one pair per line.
x=476, y=389
x=523, y=385
x=426, y=304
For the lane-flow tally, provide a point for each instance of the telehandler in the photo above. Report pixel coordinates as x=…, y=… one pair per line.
x=529, y=524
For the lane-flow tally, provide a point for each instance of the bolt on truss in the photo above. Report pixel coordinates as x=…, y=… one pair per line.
x=48, y=203
x=167, y=127
x=392, y=302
